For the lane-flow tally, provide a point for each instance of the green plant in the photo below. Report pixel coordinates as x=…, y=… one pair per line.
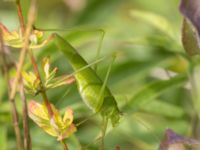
x=147, y=82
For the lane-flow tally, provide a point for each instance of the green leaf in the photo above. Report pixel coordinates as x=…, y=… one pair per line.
x=3, y=138
x=3, y=89
x=73, y=142
x=155, y=20
x=152, y=91
x=165, y=109
x=5, y=107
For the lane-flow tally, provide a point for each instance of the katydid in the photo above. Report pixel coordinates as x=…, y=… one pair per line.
x=94, y=93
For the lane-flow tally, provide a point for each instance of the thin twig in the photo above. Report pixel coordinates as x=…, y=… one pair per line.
x=12, y=100
x=20, y=15
x=31, y=18
x=64, y=145
x=27, y=139
x=43, y=92
x=26, y=49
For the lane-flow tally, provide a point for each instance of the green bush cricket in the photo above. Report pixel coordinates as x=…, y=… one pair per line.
x=93, y=91
x=89, y=84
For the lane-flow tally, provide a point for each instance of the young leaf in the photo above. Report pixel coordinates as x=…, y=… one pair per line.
x=56, y=126
x=50, y=80
x=31, y=82
x=16, y=40
x=152, y=91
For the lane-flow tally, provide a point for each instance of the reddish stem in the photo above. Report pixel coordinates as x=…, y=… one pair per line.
x=64, y=145
x=43, y=92
x=20, y=15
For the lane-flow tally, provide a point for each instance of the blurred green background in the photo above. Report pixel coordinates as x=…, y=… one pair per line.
x=146, y=35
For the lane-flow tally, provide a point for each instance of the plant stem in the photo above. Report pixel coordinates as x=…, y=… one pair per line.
x=12, y=100
x=20, y=15
x=195, y=100
x=27, y=139
x=31, y=18
x=43, y=92
x=18, y=74
x=64, y=145
x=26, y=49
